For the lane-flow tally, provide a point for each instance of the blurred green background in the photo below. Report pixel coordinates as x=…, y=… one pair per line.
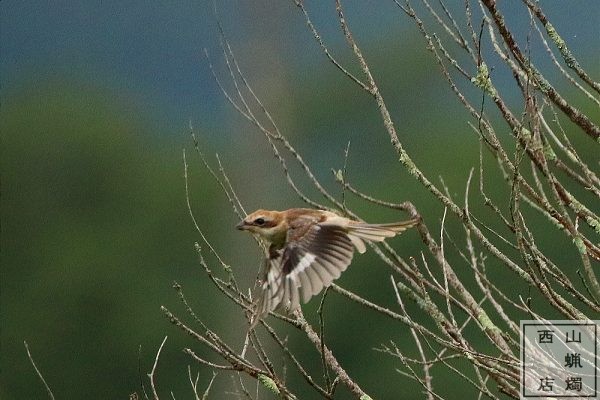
x=96, y=100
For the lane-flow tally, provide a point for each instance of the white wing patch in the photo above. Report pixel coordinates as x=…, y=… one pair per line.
x=304, y=263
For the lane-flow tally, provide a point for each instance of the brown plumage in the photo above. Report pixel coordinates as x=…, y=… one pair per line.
x=308, y=249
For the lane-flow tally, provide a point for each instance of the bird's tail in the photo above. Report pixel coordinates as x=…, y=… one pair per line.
x=360, y=232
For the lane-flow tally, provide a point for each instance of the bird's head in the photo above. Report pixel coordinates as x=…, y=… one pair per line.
x=268, y=224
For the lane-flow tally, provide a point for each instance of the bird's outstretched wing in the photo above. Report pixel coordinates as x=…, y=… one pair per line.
x=311, y=260
x=315, y=255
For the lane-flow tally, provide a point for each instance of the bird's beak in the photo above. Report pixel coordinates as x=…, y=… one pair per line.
x=241, y=226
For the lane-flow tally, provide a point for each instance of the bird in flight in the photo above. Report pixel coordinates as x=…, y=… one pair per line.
x=307, y=250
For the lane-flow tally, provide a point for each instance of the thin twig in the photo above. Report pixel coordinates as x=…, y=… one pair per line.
x=39, y=374
x=152, y=373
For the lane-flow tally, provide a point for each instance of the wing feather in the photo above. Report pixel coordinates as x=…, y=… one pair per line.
x=294, y=295
x=330, y=264
x=315, y=280
x=305, y=287
x=358, y=243
x=323, y=272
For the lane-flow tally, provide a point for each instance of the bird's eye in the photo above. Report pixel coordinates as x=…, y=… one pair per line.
x=259, y=221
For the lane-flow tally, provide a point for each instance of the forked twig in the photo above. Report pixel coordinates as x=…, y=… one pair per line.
x=152, y=373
